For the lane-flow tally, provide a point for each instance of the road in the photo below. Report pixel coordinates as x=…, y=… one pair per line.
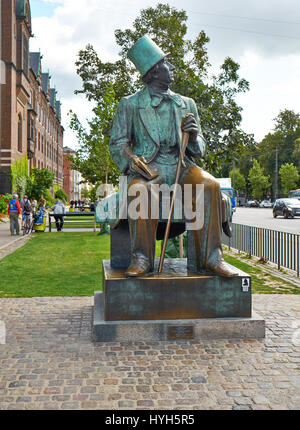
x=263, y=217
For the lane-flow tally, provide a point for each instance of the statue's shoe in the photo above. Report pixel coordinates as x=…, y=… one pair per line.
x=222, y=269
x=227, y=229
x=138, y=267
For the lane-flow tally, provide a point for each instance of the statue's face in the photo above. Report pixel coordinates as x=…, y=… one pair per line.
x=165, y=72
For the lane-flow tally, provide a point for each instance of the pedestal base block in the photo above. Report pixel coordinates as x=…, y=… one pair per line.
x=180, y=329
x=176, y=293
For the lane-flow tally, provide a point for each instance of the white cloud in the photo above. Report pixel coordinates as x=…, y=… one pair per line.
x=273, y=87
x=54, y=1
x=270, y=63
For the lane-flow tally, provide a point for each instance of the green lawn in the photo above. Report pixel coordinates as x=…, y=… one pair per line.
x=55, y=264
x=262, y=282
x=69, y=264
x=75, y=225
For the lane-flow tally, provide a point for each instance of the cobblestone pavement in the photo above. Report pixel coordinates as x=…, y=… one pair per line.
x=49, y=362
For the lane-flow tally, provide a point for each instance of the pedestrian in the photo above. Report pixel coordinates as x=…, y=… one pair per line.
x=42, y=202
x=14, y=210
x=33, y=204
x=26, y=209
x=59, y=211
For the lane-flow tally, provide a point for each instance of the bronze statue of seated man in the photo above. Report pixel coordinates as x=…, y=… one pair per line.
x=145, y=144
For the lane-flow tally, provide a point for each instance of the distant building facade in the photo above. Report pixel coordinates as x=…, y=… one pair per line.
x=72, y=178
x=30, y=114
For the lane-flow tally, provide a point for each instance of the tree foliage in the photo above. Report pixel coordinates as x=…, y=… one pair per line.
x=258, y=181
x=220, y=114
x=19, y=175
x=239, y=180
x=296, y=153
x=41, y=181
x=289, y=177
x=93, y=159
x=285, y=137
x=61, y=195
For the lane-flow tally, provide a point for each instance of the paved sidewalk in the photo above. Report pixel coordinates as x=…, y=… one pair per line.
x=9, y=243
x=5, y=236
x=49, y=362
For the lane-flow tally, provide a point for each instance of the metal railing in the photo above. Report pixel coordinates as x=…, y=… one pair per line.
x=278, y=247
x=74, y=215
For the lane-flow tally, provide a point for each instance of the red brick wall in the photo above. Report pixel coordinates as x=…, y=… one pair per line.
x=15, y=95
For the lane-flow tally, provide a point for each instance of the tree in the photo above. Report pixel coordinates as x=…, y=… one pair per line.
x=41, y=181
x=281, y=140
x=19, y=175
x=258, y=181
x=85, y=193
x=296, y=153
x=239, y=180
x=93, y=159
x=61, y=194
x=289, y=177
x=287, y=122
x=214, y=95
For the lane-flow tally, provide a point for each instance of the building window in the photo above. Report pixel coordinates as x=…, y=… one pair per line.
x=32, y=129
x=33, y=100
x=25, y=55
x=39, y=142
x=20, y=132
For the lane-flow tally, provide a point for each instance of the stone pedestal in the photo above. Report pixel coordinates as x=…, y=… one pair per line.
x=180, y=329
x=176, y=304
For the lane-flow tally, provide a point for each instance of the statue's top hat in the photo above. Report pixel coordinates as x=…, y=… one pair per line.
x=145, y=54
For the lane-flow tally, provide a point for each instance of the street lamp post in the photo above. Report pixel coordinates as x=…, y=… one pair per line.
x=276, y=173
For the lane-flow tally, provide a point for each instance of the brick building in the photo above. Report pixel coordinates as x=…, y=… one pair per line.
x=30, y=114
x=72, y=178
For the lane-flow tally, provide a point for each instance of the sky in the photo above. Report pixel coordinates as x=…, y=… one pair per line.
x=263, y=36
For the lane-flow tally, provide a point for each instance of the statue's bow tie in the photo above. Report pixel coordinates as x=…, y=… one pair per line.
x=156, y=99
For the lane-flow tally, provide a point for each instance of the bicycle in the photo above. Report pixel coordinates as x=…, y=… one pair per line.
x=28, y=224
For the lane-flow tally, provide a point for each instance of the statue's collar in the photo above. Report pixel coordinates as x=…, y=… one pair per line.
x=148, y=97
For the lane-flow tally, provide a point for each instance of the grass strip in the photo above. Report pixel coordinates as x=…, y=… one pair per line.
x=55, y=264
x=263, y=283
x=69, y=264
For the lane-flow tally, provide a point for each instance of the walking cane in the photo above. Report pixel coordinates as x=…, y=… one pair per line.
x=184, y=142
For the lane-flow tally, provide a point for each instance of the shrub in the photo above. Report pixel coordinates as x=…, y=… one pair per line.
x=61, y=194
x=50, y=201
x=4, y=199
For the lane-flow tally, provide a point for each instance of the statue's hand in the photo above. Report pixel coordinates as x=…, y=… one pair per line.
x=189, y=125
x=135, y=159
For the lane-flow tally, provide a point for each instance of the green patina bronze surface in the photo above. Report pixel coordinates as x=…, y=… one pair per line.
x=177, y=293
x=145, y=54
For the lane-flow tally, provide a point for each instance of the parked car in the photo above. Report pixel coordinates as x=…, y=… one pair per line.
x=265, y=204
x=288, y=208
x=252, y=204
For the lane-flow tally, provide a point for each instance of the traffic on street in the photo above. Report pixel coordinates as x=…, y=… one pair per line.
x=263, y=217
